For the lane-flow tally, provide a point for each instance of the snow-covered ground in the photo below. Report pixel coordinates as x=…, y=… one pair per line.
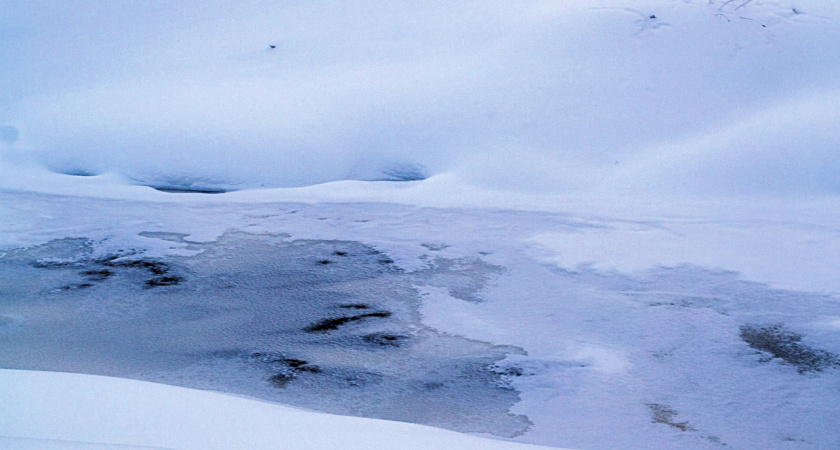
x=599, y=224
x=56, y=411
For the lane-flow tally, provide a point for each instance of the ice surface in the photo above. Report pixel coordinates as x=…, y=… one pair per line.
x=653, y=353
x=330, y=325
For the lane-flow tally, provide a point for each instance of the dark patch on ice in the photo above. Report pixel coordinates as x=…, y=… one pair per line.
x=324, y=262
x=435, y=247
x=715, y=440
x=333, y=323
x=666, y=415
x=385, y=339
x=159, y=270
x=355, y=306
x=777, y=342
x=167, y=280
x=254, y=315
x=508, y=372
x=281, y=379
x=77, y=254
x=97, y=274
x=432, y=385
x=285, y=369
x=301, y=365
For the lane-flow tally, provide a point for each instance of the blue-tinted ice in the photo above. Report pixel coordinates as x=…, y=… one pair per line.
x=329, y=325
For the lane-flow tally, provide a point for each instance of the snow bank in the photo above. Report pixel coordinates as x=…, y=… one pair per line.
x=696, y=96
x=59, y=410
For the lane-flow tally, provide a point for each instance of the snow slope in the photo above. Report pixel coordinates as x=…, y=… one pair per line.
x=695, y=96
x=52, y=410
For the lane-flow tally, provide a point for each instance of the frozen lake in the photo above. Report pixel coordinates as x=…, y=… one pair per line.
x=592, y=224
x=464, y=319
x=329, y=325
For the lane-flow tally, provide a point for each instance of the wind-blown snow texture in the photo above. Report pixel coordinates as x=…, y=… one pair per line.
x=694, y=95
x=595, y=224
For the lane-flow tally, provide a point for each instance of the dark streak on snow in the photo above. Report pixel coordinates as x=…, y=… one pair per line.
x=786, y=345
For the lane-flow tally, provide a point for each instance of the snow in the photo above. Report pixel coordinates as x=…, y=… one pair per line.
x=53, y=410
x=607, y=199
x=707, y=97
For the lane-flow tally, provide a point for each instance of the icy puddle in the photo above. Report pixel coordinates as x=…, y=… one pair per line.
x=328, y=325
